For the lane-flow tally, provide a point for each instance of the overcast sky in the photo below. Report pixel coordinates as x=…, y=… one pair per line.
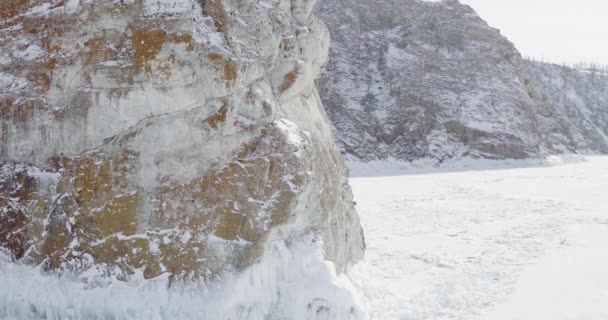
x=556, y=30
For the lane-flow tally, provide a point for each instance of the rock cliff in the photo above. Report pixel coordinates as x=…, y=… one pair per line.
x=412, y=79
x=166, y=137
x=579, y=98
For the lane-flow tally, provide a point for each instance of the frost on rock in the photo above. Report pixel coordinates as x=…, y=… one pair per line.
x=167, y=138
x=411, y=79
x=579, y=99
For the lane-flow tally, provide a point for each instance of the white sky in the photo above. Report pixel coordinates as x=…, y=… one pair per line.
x=557, y=30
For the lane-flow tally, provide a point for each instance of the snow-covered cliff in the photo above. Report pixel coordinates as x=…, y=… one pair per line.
x=412, y=79
x=148, y=138
x=579, y=98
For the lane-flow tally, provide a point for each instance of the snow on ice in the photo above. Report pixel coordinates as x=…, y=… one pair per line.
x=495, y=244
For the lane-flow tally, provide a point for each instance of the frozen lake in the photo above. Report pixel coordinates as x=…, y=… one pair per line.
x=508, y=244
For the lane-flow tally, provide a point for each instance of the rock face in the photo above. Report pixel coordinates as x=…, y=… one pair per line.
x=411, y=79
x=579, y=98
x=164, y=136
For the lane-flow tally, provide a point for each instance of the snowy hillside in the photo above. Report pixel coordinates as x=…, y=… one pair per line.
x=579, y=98
x=410, y=79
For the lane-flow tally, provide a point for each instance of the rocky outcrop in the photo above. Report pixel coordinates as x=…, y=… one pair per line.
x=412, y=79
x=166, y=137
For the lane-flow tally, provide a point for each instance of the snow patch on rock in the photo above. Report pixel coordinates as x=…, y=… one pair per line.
x=291, y=281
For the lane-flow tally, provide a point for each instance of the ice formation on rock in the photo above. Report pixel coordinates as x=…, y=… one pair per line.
x=164, y=137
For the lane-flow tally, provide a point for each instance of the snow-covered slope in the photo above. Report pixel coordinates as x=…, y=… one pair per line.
x=412, y=79
x=579, y=98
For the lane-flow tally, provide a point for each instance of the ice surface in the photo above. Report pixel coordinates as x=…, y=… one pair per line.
x=568, y=283
x=494, y=244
